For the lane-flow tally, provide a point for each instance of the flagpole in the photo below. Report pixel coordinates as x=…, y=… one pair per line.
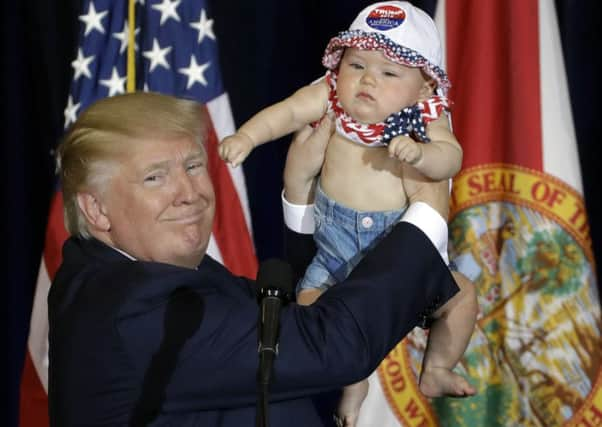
x=131, y=67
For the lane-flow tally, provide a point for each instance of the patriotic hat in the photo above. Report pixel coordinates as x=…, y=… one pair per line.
x=403, y=33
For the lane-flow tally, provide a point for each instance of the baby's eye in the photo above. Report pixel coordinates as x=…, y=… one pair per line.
x=390, y=74
x=356, y=66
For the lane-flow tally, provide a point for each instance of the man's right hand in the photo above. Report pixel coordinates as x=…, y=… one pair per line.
x=422, y=189
x=304, y=161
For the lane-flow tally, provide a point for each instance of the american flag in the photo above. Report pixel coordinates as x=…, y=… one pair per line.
x=174, y=52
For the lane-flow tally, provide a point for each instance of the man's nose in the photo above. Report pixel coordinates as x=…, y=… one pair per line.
x=186, y=190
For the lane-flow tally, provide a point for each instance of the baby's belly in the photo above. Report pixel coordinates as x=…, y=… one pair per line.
x=362, y=178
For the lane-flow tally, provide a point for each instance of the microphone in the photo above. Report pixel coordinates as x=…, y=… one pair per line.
x=275, y=281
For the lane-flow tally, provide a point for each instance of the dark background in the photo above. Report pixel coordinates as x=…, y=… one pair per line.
x=268, y=49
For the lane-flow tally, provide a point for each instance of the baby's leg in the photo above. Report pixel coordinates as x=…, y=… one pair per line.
x=308, y=296
x=447, y=340
x=354, y=394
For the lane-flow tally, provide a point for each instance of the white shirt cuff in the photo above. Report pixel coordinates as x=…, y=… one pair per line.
x=430, y=223
x=299, y=218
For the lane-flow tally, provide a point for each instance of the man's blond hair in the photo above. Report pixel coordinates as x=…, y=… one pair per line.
x=93, y=146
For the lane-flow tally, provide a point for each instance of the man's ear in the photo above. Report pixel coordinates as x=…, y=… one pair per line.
x=94, y=211
x=428, y=89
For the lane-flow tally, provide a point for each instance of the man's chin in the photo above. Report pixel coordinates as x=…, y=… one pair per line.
x=191, y=261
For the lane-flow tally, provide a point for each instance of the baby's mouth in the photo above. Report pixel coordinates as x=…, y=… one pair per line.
x=365, y=96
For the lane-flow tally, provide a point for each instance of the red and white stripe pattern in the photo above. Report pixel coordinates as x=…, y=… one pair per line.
x=433, y=107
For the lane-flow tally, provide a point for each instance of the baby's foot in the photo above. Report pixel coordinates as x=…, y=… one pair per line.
x=436, y=382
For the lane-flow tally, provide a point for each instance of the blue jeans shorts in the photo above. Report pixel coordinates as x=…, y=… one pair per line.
x=343, y=236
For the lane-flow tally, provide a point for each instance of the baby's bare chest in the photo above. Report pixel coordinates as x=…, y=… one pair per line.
x=361, y=177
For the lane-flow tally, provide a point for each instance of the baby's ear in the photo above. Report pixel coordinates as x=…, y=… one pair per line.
x=428, y=89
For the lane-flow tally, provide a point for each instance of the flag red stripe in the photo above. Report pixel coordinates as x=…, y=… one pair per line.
x=56, y=234
x=493, y=63
x=229, y=226
x=33, y=401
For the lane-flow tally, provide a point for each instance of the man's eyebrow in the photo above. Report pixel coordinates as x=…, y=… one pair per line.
x=157, y=165
x=200, y=154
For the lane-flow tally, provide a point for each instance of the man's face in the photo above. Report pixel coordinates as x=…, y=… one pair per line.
x=160, y=202
x=371, y=88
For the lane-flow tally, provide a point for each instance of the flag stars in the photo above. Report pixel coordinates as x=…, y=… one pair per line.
x=115, y=84
x=194, y=72
x=71, y=111
x=204, y=27
x=93, y=20
x=156, y=56
x=81, y=65
x=168, y=10
x=124, y=37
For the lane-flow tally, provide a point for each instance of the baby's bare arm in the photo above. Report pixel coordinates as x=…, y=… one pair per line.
x=442, y=157
x=439, y=159
x=306, y=105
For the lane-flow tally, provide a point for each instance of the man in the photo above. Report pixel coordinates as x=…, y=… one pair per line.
x=145, y=329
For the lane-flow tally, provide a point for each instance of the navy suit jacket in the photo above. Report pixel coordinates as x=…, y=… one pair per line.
x=144, y=343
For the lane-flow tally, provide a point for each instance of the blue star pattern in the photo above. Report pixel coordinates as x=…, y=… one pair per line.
x=176, y=52
x=406, y=122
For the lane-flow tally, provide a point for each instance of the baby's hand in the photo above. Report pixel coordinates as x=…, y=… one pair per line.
x=405, y=149
x=235, y=148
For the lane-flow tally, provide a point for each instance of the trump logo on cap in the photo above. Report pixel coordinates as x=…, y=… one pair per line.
x=386, y=17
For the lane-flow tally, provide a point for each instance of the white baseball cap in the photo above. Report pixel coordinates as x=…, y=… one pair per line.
x=402, y=32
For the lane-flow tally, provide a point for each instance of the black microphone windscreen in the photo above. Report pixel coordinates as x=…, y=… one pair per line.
x=275, y=273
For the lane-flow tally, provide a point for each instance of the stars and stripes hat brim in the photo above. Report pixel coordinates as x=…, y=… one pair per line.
x=403, y=33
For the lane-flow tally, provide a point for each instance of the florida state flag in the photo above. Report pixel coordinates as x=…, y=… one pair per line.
x=518, y=229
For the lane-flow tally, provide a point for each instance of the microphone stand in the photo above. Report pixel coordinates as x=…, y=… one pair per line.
x=268, y=347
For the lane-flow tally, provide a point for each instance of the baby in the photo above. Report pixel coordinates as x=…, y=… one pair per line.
x=385, y=86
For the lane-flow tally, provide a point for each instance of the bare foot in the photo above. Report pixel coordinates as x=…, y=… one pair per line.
x=436, y=382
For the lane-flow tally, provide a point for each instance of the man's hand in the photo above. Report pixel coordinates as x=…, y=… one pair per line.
x=304, y=161
x=421, y=189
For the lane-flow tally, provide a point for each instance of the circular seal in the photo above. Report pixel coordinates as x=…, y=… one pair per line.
x=385, y=18
x=521, y=236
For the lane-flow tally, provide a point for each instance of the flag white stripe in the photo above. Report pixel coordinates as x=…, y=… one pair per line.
x=37, y=343
x=559, y=143
x=213, y=250
x=441, y=26
x=376, y=410
x=223, y=123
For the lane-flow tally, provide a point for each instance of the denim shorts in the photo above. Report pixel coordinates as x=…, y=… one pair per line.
x=343, y=236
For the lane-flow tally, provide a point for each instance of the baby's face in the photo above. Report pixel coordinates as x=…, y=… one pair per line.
x=371, y=88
